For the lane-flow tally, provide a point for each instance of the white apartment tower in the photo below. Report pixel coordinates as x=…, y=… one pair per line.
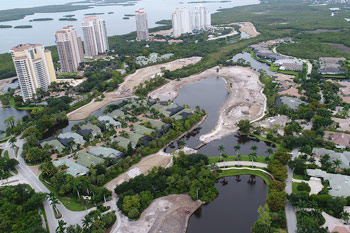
x=70, y=49
x=182, y=22
x=201, y=18
x=141, y=25
x=95, y=36
x=34, y=67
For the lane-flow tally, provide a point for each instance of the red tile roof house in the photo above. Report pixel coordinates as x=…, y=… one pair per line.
x=342, y=140
x=292, y=92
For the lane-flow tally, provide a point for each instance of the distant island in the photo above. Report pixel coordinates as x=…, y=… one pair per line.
x=68, y=16
x=110, y=12
x=94, y=14
x=41, y=19
x=129, y=15
x=5, y=26
x=67, y=19
x=23, y=26
x=126, y=18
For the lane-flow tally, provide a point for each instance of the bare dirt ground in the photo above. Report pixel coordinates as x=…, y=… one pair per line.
x=245, y=100
x=249, y=28
x=146, y=164
x=165, y=214
x=163, y=32
x=126, y=89
x=5, y=82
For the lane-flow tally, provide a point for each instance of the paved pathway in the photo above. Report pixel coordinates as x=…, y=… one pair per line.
x=289, y=209
x=241, y=163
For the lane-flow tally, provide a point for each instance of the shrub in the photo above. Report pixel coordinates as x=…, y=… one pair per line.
x=304, y=187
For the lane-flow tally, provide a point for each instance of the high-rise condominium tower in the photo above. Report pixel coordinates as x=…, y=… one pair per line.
x=34, y=68
x=70, y=49
x=182, y=22
x=141, y=25
x=95, y=36
x=201, y=18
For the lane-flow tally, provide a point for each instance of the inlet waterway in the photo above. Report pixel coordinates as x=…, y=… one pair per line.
x=256, y=65
x=235, y=208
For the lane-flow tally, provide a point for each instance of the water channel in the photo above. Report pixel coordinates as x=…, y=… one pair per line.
x=235, y=208
x=256, y=65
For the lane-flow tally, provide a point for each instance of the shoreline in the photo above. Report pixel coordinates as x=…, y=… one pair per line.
x=245, y=100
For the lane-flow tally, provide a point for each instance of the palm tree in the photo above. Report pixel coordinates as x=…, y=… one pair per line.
x=53, y=201
x=86, y=221
x=345, y=216
x=269, y=151
x=267, y=159
x=336, y=164
x=61, y=226
x=252, y=156
x=237, y=147
x=238, y=158
x=221, y=149
x=254, y=148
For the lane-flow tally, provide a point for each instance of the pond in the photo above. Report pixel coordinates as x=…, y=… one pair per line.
x=256, y=65
x=13, y=85
x=235, y=208
x=8, y=112
x=210, y=94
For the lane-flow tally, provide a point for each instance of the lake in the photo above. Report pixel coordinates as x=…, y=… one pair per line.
x=44, y=31
x=210, y=94
x=256, y=65
x=8, y=112
x=235, y=208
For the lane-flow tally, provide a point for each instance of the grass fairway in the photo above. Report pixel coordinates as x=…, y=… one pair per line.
x=235, y=172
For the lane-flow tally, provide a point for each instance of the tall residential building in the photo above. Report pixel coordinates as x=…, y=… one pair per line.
x=201, y=18
x=70, y=49
x=141, y=25
x=95, y=36
x=34, y=68
x=182, y=22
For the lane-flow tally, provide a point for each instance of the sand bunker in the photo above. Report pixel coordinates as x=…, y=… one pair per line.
x=245, y=100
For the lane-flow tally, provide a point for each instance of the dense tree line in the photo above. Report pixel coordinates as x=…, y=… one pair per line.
x=19, y=209
x=188, y=174
x=144, y=88
x=94, y=222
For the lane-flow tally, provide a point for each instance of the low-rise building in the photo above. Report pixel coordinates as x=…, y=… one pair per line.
x=89, y=128
x=344, y=157
x=339, y=184
x=85, y=159
x=73, y=168
x=65, y=138
x=109, y=122
x=291, y=102
x=331, y=65
x=106, y=152
x=341, y=140
x=54, y=143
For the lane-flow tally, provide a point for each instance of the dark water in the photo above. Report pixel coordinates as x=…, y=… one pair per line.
x=256, y=65
x=234, y=210
x=8, y=112
x=210, y=94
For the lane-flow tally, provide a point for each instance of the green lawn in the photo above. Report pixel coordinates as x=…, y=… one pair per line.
x=300, y=177
x=260, y=159
x=70, y=203
x=235, y=172
x=294, y=187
